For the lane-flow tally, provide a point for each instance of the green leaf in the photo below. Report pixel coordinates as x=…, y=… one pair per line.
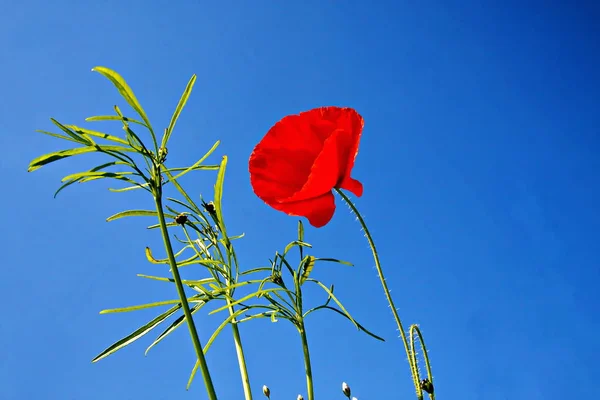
x=196, y=165
x=300, y=231
x=76, y=137
x=102, y=135
x=192, y=375
x=95, y=175
x=59, y=155
x=57, y=135
x=136, y=213
x=138, y=333
x=294, y=244
x=184, y=98
x=309, y=264
x=219, y=195
x=73, y=180
x=245, y=298
x=176, y=324
x=359, y=326
x=335, y=260
x=125, y=91
x=331, y=295
x=139, y=307
x=114, y=118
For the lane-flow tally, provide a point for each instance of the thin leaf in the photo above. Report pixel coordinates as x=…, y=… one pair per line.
x=138, y=333
x=139, y=307
x=176, y=324
x=335, y=260
x=57, y=135
x=96, y=175
x=125, y=91
x=196, y=165
x=114, y=118
x=339, y=304
x=219, y=195
x=101, y=135
x=80, y=139
x=136, y=213
x=39, y=162
x=294, y=244
x=184, y=98
x=359, y=326
x=192, y=375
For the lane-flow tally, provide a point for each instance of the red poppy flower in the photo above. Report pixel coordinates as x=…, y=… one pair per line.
x=303, y=157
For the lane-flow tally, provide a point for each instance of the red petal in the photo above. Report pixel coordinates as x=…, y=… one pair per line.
x=318, y=210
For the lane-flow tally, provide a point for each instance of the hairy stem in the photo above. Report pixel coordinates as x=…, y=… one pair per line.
x=183, y=298
x=386, y=290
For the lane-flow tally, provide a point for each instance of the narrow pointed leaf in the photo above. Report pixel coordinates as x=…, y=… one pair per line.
x=114, y=118
x=136, y=213
x=101, y=135
x=176, y=324
x=124, y=90
x=219, y=196
x=138, y=333
x=78, y=138
x=139, y=307
x=184, y=98
x=59, y=155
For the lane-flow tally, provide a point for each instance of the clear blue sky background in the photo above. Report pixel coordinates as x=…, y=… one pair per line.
x=479, y=159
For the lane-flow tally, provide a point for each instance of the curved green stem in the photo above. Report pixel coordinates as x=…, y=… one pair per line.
x=386, y=290
x=307, y=366
x=183, y=298
x=415, y=328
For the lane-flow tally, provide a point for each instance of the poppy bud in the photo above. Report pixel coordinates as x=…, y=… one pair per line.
x=300, y=397
x=181, y=219
x=210, y=207
x=266, y=391
x=427, y=386
x=346, y=389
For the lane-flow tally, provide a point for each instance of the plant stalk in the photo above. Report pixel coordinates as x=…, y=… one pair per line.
x=240, y=354
x=307, y=366
x=386, y=290
x=183, y=298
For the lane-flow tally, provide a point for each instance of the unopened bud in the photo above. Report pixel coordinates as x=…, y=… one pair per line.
x=181, y=219
x=346, y=389
x=266, y=391
x=427, y=386
x=210, y=207
x=300, y=397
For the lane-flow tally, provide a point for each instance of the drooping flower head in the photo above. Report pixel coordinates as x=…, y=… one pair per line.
x=303, y=157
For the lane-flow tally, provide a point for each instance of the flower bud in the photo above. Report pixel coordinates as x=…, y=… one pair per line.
x=427, y=386
x=300, y=397
x=210, y=207
x=346, y=389
x=266, y=391
x=181, y=219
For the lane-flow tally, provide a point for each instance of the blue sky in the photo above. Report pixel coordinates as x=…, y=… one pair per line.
x=479, y=159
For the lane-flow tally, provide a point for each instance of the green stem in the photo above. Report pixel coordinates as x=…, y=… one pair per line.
x=183, y=298
x=386, y=290
x=240, y=354
x=307, y=367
